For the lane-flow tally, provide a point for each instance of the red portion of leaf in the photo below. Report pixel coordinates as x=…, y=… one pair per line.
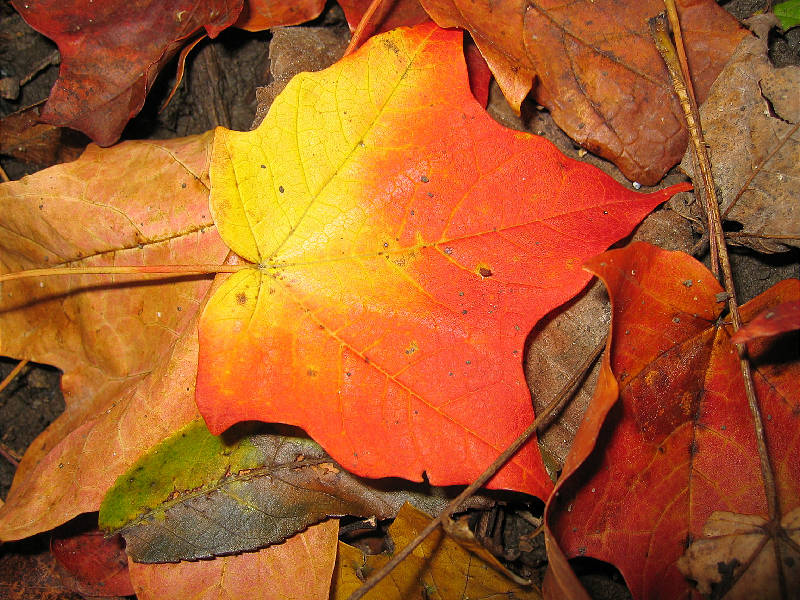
x=389, y=14
x=395, y=335
x=480, y=76
x=773, y=321
x=680, y=443
x=111, y=52
x=98, y=563
x=258, y=15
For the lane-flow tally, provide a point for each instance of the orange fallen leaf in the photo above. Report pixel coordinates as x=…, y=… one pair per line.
x=403, y=245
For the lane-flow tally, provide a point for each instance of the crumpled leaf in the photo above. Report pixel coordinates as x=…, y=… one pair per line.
x=127, y=344
x=596, y=69
x=196, y=495
x=750, y=121
x=403, y=245
x=669, y=438
x=731, y=540
x=438, y=568
x=111, y=52
x=298, y=569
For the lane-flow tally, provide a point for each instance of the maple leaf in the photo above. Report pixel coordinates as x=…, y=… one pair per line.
x=298, y=569
x=127, y=345
x=403, y=245
x=597, y=70
x=669, y=439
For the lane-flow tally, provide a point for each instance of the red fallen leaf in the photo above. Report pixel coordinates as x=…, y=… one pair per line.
x=298, y=569
x=97, y=563
x=597, y=70
x=258, y=15
x=649, y=470
x=111, y=52
x=403, y=245
x=773, y=321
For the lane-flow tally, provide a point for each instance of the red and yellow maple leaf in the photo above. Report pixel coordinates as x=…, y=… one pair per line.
x=403, y=245
x=668, y=446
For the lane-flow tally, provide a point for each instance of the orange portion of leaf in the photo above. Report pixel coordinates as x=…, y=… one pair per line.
x=298, y=569
x=258, y=15
x=404, y=244
x=773, y=321
x=680, y=443
x=127, y=344
x=593, y=64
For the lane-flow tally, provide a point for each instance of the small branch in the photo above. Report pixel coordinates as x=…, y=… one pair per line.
x=135, y=270
x=14, y=372
x=9, y=455
x=720, y=257
x=4, y=175
x=538, y=423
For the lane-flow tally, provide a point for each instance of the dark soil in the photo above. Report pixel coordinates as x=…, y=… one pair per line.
x=220, y=89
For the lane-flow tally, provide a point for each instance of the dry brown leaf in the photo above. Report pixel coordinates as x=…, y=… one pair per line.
x=750, y=121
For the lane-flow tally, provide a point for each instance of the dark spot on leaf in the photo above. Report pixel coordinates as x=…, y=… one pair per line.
x=280, y=189
x=241, y=298
x=263, y=166
x=484, y=272
x=183, y=186
x=311, y=373
x=693, y=448
x=424, y=179
x=430, y=195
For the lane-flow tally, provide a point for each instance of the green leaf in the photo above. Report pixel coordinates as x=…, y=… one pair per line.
x=788, y=13
x=197, y=495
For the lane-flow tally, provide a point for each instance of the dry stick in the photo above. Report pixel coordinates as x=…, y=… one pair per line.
x=358, y=34
x=10, y=455
x=660, y=34
x=132, y=270
x=539, y=422
x=4, y=175
x=14, y=372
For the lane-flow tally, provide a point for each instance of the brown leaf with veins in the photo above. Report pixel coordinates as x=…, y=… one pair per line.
x=597, y=70
x=751, y=121
x=127, y=344
x=298, y=569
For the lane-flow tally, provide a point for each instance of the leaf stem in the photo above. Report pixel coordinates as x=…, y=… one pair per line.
x=361, y=28
x=14, y=372
x=133, y=269
x=720, y=259
x=539, y=423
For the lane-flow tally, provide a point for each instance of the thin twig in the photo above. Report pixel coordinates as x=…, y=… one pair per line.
x=358, y=34
x=10, y=455
x=14, y=372
x=53, y=58
x=720, y=255
x=543, y=418
x=4, y=175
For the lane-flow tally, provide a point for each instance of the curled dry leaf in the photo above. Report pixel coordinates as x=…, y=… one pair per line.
x=731, y=541
x=111, y=52
x=438, y=568
x=298, y=569
x=592, y=63
x=127, y=344
x=773, y=321
x=750, y=121
x=196, y=495
x=669, y=438
x=402, y=244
